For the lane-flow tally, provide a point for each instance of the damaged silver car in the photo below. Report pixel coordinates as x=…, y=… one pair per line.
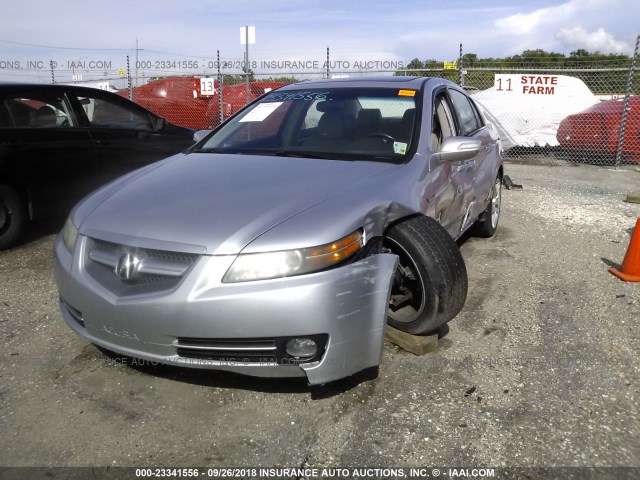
x=283, y=242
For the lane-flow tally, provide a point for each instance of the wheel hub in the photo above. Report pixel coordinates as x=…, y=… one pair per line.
x=406, y=290
x=4, y=217
x=495, y=203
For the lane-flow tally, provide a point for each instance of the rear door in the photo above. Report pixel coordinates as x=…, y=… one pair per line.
x=44, y=150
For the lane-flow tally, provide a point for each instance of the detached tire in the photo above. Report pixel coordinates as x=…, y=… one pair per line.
x=487, y=223
x=430, y=284
x=13, y=216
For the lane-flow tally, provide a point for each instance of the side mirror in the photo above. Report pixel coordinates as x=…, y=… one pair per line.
x=158, y=123
x=457, y=149
x=200, y=134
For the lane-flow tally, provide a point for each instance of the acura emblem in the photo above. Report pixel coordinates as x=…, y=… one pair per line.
x=127, y=266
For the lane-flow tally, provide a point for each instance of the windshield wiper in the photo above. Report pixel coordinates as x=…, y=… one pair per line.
x=213, y=150
x=286, y=153
x=307, y=154
x=280, y=153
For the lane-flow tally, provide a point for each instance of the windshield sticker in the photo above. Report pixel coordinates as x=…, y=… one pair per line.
x=400, y=148
x=260, y=112
x=406, y=93
x=307, y=96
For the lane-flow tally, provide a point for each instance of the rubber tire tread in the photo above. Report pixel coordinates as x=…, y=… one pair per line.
x=18, y=216
x=441, y=266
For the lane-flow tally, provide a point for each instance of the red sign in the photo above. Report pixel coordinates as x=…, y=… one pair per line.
x=527, y=84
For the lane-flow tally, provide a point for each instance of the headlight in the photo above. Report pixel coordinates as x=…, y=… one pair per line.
x=69, y=234
x=262, y=266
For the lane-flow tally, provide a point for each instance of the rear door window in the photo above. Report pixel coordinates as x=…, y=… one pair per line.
x=468, y=116
x=36, y=110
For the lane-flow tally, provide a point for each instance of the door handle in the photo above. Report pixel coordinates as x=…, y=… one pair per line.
x=103, y=142
x=144, y=135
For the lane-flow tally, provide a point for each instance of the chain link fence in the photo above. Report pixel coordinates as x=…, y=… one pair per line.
x=581, y=114
x=589, y=115
x=576, y=111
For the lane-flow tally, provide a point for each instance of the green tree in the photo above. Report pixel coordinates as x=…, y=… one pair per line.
x=594, y=68
x=415, y=64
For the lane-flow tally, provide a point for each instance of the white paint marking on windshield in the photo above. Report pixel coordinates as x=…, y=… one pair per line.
x=260, y=112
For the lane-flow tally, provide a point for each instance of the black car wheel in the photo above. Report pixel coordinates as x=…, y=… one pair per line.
x=487, y=223
x=12, y=216
x=430, y=283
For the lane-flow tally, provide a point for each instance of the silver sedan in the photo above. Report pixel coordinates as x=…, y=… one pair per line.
x=283, y=242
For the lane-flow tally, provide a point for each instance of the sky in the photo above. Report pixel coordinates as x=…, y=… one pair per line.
x=69, y=33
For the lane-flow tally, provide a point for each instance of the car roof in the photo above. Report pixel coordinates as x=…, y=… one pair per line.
x=53, y=87
x=368, y=81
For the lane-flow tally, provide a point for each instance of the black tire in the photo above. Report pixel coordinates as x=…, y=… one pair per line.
x=430, y=284
x=487, y=223
x=13, y=216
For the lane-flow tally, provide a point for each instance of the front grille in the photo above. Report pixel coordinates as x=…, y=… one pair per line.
x=228, y=351
x=73, y=312
x=126, y=270
x=269, y=351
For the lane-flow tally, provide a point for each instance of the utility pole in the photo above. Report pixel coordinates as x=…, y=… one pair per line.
x=246, y=65
x=328, y=71
x=461, y=68
x=129, y=86
x=247, y=36
x=220, y=102
x=137, y=61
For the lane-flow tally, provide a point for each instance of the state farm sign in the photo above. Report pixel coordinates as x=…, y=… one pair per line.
x=527, y=108
x=527, y=84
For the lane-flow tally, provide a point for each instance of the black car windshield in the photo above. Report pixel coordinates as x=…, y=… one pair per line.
x=343, y=123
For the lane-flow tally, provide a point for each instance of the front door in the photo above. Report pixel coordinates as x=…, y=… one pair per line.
x=44, y=150
x=453, y=200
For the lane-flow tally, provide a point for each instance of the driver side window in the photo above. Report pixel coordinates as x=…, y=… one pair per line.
x=104, y=113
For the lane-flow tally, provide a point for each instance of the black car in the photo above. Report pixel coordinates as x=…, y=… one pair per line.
x=60, y=142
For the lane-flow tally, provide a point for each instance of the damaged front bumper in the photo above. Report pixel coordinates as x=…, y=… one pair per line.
x=239, y=327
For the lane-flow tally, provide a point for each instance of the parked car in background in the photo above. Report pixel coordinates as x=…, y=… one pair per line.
x=180, y=100
x=596, y=131
x=283, y=242
x=60, y=142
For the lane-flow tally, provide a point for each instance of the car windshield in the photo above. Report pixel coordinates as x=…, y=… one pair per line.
x=343, y=123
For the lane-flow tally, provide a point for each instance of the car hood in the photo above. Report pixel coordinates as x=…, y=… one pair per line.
x=218, y=202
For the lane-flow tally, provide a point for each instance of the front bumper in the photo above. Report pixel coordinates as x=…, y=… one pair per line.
x=344, y=308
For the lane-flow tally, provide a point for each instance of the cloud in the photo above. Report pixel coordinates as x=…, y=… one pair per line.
x=525, y=23
x=600, y=40
x=588, y=24
x=303, y=29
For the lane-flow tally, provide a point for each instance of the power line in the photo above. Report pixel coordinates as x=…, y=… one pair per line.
x=52, y=47
x=64, y=48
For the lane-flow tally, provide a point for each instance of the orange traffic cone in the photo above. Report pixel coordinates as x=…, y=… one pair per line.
x=630, y=270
